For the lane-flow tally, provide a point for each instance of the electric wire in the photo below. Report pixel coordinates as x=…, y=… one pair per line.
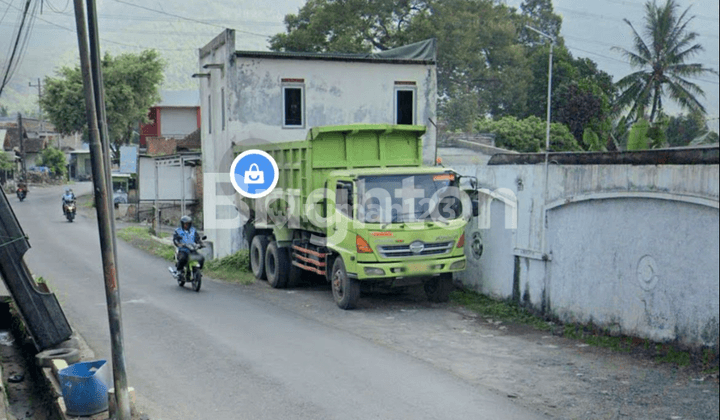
x=5, y=14
x=11, y=64
x=188, y=19
x=67, y=3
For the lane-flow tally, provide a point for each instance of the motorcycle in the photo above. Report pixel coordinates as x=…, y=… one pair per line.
x=191, y=273
x=21, y=192
x=69, y=209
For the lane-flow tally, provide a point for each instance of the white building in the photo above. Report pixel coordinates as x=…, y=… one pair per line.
x=254, y=97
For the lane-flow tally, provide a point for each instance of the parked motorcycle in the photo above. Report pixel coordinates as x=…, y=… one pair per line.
x=69, y=208
x=21, y=192
x=191, y=273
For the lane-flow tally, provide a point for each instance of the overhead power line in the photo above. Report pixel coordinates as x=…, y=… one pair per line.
x=613, y=19
x=186, y=18
x=21, y=40
x=642, y=6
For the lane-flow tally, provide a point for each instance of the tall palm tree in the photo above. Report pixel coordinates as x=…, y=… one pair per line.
x=662, y=62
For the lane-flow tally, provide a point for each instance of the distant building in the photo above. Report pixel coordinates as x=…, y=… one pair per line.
x=174, y=117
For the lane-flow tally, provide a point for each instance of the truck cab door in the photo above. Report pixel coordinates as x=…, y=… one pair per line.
x=340, y=229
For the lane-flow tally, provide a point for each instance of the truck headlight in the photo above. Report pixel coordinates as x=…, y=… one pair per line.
x=374, y=271
x=458, y=265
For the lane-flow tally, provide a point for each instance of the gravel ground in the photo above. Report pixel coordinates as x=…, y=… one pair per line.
x=560, y=377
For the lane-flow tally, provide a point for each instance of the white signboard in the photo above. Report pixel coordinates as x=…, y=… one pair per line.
x=128, y=159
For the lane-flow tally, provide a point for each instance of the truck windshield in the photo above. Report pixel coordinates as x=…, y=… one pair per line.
x=408, y=198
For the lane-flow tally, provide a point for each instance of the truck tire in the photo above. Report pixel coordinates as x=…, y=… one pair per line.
x=438, y=288
x=257, y=256
x=346, y=291
x=295, y=274
x=277, y=265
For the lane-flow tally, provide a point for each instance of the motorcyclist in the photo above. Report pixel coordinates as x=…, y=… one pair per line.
x=186, y=235
x=67, y=198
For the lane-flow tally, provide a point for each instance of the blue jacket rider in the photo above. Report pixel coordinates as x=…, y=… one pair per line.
x=183, y=236
x=68, y=197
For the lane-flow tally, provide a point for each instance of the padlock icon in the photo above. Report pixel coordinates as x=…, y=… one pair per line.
x=254, y=176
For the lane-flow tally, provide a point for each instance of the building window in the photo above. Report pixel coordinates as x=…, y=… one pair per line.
x=405, y=103
x=293, y=103
x=209, y=114
x=222, y=108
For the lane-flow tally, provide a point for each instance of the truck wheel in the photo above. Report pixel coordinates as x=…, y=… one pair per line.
x=277, y=265
x=346, y=291
x=257, y=256
x=295, y=274
x=438, y=288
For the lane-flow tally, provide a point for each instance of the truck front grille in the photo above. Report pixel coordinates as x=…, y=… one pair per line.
x=403, y=251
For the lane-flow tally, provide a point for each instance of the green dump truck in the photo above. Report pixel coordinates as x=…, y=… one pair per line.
x=355, y=204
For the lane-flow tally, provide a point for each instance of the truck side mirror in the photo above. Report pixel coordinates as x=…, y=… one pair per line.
x=475, y=208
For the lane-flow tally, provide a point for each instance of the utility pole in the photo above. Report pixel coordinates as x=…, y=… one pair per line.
x=23, y=169
x=547, y=137
x=39, y=86
x=104, y=213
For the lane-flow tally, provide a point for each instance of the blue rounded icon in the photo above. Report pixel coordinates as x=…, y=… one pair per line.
x=254, y=173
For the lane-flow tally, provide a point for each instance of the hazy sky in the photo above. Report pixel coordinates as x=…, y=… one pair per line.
x=178, y=28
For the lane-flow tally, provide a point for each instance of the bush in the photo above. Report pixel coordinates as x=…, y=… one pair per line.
x=528, y=135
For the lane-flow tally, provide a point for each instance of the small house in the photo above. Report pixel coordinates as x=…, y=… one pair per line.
x=261, y=96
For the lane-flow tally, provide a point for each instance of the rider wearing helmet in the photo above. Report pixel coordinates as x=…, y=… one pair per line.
x=68, y=197
x=185, y=235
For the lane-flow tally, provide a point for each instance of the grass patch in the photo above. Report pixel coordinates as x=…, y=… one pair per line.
x=140, y=238
x=497, y=309
x=674, y=356
x=231, y=268
x=510, y=312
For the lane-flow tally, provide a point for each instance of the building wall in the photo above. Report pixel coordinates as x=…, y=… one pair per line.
x=169, y=181
x=248, y=92
x=178, y=122
x=152, y=128
x=631, y=248
x=161, y=146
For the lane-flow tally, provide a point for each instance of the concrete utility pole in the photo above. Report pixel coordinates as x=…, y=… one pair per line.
x=23, y=169
x=105, y=215
x=547, y=136
x=39, y=86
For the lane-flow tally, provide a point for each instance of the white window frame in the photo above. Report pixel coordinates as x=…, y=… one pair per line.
x=405, y=87
x=294, y=84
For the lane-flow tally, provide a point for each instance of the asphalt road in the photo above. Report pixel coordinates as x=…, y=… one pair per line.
x=229, y=352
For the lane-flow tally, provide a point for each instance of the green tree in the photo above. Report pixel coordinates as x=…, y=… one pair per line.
x=347, y=26
x=582, y=95
x=6, y=163
x=662, y=61
x=540, y=15
x=591, y=141
x=527, y=135
x=3, y=111
x=684, y=128
x=53, y=159
x=637, y=138
x=131, y=84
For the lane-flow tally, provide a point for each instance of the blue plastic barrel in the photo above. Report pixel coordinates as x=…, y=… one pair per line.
x=84, y=387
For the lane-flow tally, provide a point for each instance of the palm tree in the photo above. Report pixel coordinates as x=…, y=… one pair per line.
x=662, y=62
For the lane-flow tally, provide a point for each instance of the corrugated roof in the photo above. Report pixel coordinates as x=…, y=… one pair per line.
x=179, y=98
